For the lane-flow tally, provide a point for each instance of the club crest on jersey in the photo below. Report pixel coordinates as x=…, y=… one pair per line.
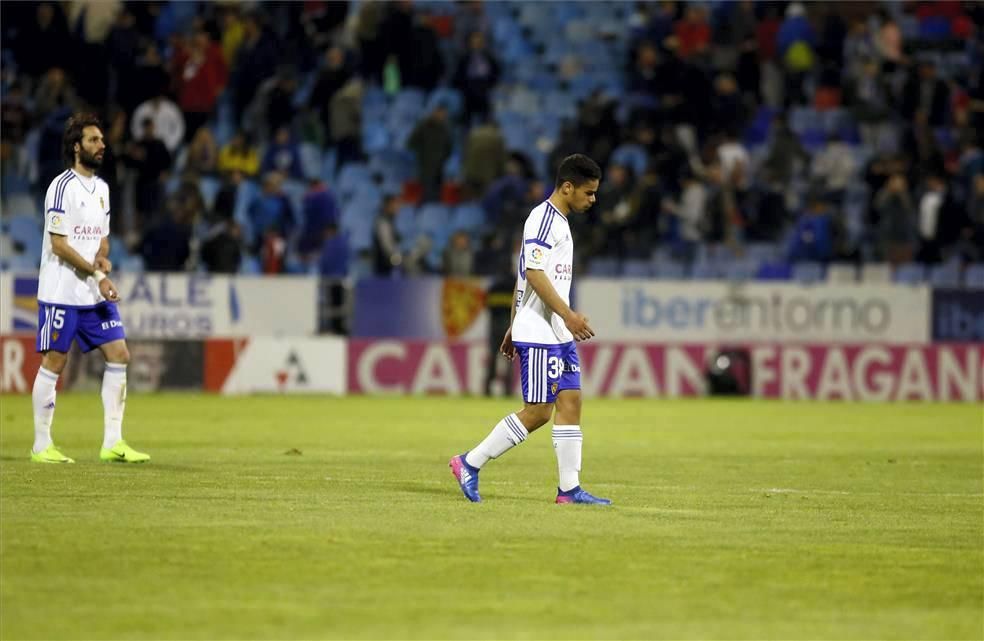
x=553, y=388
x=54, y=336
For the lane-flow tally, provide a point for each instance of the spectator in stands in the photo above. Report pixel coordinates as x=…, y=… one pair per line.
x=768, y=214
x=425, y=67
x=693, y=33
x=976, y=212
x=897, y=232
x=111, y=170
x=728, y=112
x=123, y=47
x=796, y=43
x=346, y=122
x=387, y=255
x=220, y=251
x=786, y=155
x=723, y=220
x=256, y=60
x=199, y=74
x=332, y=76
x=320, y=211
x=270, y=215
x=151, y=160
x=54, y=91
x=459, y=257
x=868, y=97
x=736, y=163
x=283, y=155
x=889, y=42
x=643, y=76
x=834, y=167
x=484, y=158
x=943, y=221
x=508, y=192
x=813, y=236
x=166, y=246
x=691, y=212
x=239, y=155
x=169, y=124
x=333, y=260
x=203, y=153
x=475, y=77
x=925, y=96
x=613, y=216
x=275, y=100
x=150, y=79
x=431, y=141
x=35, y=35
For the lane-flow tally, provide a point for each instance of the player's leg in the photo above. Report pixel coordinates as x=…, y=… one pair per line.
x=512, y=429
x=567, y=435
x=101, y=327
x=56, y=329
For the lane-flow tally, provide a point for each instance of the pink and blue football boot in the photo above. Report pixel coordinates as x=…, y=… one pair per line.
x=578, y=495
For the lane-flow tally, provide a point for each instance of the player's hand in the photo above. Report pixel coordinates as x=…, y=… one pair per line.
x=108, y=289
x=579, y=327
x=507, y=349
x=103, y=264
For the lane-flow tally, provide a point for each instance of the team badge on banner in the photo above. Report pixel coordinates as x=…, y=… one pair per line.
x=461, y=303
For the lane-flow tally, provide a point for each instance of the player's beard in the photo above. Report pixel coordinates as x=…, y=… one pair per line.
x=90, y=160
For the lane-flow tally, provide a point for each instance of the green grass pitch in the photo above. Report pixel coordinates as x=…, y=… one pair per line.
x=732, y=520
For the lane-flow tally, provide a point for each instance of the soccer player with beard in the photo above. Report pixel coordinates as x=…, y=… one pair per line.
x=76, y=298
x=542, y=334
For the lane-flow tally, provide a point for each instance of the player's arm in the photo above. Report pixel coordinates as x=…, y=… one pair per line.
x=575, y=322
x=506, y=348
x=63, y=250
x=102, y=261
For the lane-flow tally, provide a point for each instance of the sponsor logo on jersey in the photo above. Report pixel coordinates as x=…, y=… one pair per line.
x=87, y=232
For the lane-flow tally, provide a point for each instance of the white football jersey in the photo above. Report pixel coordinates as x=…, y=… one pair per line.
x=76, y=207
x=547, y=246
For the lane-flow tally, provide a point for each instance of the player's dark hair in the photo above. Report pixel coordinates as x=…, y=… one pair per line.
x=577, y=169
x=73, y=133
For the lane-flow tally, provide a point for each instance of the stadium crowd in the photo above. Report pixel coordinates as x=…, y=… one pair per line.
x=737, y=138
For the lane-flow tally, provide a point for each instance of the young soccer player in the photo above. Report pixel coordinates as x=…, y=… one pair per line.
x=76, y=299
x=542, y=333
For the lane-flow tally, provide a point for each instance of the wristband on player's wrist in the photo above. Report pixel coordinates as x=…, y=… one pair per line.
x=98, y=275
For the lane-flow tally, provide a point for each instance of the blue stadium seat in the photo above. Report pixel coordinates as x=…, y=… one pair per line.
x=637, y=268
x=250, y=265
x=469, y=217
x=670, y=271
x=632, y=156
x=603, y=267
x=974, y=276
x=26, y=230
x=433, y=218
x=909, y=274
x=946, y=275
x=351, y=177
x=774, y=271
x=310, y=159
x=450, y=98
x=706, y=270
x=808, y=272
x=209, y=188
